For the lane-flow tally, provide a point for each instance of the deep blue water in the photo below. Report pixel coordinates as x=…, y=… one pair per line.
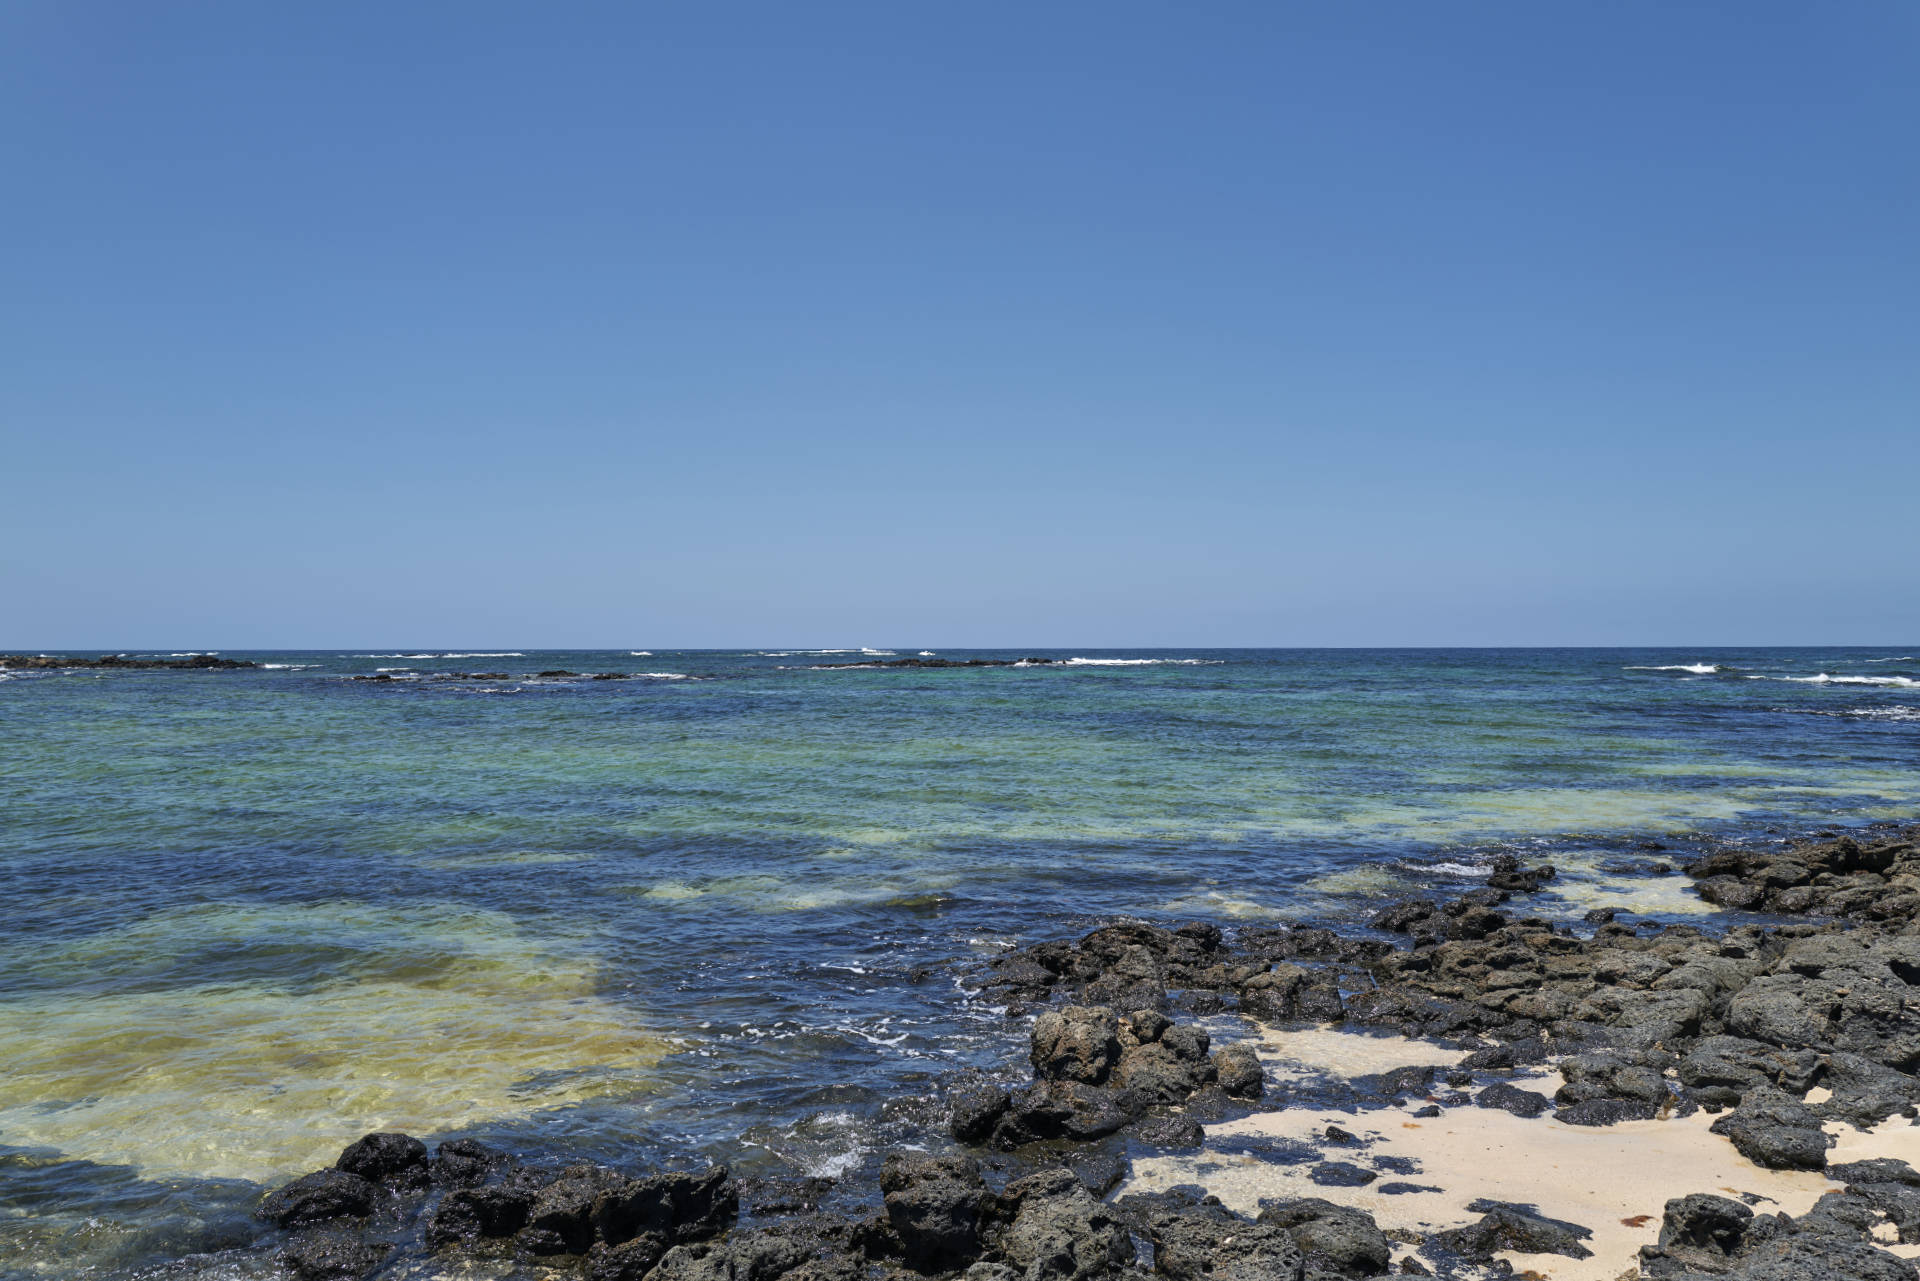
x=245, y=916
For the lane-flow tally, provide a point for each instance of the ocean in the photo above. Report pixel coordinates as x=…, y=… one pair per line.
x=719, y=909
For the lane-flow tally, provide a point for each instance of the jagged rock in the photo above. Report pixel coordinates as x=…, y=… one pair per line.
x=975, y=1112
x=319, y=1197
x=465, y=1163
x=1606, y=1112
x=1078, y=1043
x=1238, y=1070
x=1721, y=1069
x=1065, y=1110
x=935, y=1205
x=1509, y=1098
x=679, y=1207
x=561, y=1218
x=745, y=1256
x=398, y=1160
x=1776, y=1131
x=1203, y=1241
x=631, y=1260
x=1060, y=1232
x=1168, y=1069
x=331, y=1255
x=1342, y=1238
x=1515, y=1227
x=466, y=1214
x=1170, y=1132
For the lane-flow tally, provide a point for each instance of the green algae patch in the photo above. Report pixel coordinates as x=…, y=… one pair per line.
x=419, y=1019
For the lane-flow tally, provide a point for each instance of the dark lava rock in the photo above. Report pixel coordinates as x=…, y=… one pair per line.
x=1170, y=1132
x=1341, y=1174
x=1059, y=1232
x=1515, y=1227
x=1509, y=875
x=1771, y=1129
x=760, y=1255
x=1204, y=1241
x=1238, y=1070
x=1078, y=1043
x=628, y=1261
x=465, y=1215
x=1705, y=1222
x=1508, y=1098
x=1606, y=1112
x=465, y=1163
x=329, y=1255
x=1099, y=1172
x=319, y=1197
x=975, y=1112
x=193, y=663
x=1721, y=1069
x=561, y=1219
x=1168, y=1068
x=679, y=1207
x=935, y=1205
x=1341, y=1237
x=399, y=1160
x=1065, y=1110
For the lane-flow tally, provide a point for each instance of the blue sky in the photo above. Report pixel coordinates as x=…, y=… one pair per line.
x=1077, y=324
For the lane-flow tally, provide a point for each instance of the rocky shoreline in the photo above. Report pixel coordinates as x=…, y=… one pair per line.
x=1785, y=1031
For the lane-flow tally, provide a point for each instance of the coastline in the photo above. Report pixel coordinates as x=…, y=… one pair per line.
x=1462, y=1090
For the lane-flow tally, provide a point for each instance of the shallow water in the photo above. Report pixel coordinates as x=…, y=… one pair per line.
x=251, y=915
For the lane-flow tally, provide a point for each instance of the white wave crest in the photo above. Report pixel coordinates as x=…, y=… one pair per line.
x=1142, y=662
x=290, y=667
x=1698, y=669
x=639, y=653
x=665, y=676
x=496, y=653
x=926, y=653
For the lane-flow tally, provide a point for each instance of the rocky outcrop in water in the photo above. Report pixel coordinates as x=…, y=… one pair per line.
x=120, y=662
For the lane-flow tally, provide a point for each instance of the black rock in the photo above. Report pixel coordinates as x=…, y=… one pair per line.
x=1170, y=1132
x=1340, y=1236
x=935, y=1205
x=1515, y=1227
x=975, y=1113
x=1238, y=1070
x=465, y=1163
x=1508, y=1098
x=1607, y=1112
x=319, y=1197
x=561, y=1219
x=1341, y=1174
x=466, y=1214
x=331, y=1255
x=1771, y=1129
x=386, y=1157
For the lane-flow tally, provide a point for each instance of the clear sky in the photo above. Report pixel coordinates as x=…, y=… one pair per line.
x=1101, y=324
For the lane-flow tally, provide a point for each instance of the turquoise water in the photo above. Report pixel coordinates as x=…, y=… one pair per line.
x=251, y=915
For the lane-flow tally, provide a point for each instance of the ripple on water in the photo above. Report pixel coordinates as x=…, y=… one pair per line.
x=435, y=1020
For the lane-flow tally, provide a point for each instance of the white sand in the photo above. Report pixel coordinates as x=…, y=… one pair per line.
x=1614, y=1180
